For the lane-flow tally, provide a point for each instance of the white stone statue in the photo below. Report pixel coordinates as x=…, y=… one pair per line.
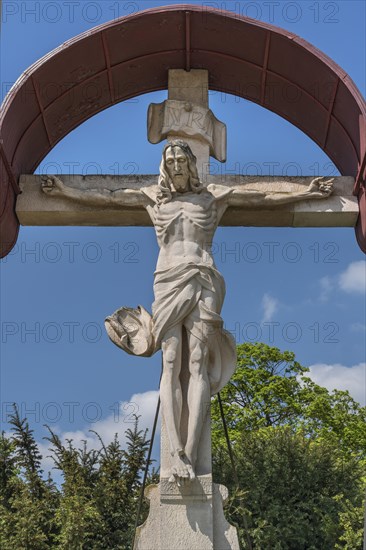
x=188, y=289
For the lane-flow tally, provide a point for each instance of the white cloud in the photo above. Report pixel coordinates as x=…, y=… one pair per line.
x=326, y=287
x=358, y=327
x=269, y=306
x=340, y=377
x=353, y=279
x=140, y=404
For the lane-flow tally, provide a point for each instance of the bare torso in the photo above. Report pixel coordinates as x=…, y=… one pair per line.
x=185, y=227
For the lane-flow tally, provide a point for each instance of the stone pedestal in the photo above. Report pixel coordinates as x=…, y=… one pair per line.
x=186, y=518
x=190, y=517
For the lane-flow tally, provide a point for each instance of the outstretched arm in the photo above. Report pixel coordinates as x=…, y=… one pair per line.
x=53, y=186
x=318, y=189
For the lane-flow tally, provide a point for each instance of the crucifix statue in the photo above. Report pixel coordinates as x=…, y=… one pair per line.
x=185, y=203
x=199, y=356
x=188, y=289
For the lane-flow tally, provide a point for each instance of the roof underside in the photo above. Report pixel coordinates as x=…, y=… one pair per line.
x=131, y=56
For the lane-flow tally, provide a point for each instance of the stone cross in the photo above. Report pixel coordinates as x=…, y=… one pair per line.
x=187, y=107
x=188, y=514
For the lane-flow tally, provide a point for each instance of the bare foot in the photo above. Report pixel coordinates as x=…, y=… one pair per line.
x=182, y=470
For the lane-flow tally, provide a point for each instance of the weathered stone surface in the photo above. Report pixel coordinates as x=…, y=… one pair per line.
x=186, y=518
x=190, y=517
x=338, y=210
x=189, y=89
x=204, y=459
x=35, y=208
x=186, y=120
x=189, y=86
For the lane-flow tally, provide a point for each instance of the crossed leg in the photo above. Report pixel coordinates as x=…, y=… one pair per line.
x=199, y=391
x=184, y=457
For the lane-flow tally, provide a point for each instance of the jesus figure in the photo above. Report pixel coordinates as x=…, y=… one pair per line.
x=189, y=291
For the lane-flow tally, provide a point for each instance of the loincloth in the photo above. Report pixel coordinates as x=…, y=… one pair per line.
x=179, y=293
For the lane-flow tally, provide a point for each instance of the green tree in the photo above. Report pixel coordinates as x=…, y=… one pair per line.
x=118, y=488
x=270, y=388
x=299, y=451
x=28, y=501
x=77, y=516
x=300, y=454
x=8, y=469
x=96, y=505
x=100, y=491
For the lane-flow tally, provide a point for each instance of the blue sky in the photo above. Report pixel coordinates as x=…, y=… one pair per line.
x=297, y=289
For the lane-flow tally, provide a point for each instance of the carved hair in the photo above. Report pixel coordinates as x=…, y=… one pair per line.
x=165, y=184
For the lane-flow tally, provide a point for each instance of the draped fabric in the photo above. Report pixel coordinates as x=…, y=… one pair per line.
x=177, y=293
x=178, y=301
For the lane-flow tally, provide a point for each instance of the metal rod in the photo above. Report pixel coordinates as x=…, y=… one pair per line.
x=228, y=442
x=231, y=454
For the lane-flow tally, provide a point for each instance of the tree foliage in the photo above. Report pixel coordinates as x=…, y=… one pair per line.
x=27, y=501
x=299, y=452
x=93, y=509
x=300, y=455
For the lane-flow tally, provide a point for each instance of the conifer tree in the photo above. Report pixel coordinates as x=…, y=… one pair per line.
x=27, y=497
x=77, y=517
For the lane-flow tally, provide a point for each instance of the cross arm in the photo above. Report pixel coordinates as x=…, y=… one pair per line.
x=121, y=197
x=254, y=201
x=88, y=200
x=319, y=188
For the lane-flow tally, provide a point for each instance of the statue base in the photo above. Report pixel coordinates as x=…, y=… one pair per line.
x=190, y=517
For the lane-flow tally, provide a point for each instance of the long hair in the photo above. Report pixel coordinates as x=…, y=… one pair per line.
x=165, y=184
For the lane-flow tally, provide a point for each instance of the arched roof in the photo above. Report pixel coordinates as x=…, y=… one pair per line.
x=131, y=56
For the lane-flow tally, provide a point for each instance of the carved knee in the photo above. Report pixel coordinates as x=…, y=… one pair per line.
x=170, y=355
